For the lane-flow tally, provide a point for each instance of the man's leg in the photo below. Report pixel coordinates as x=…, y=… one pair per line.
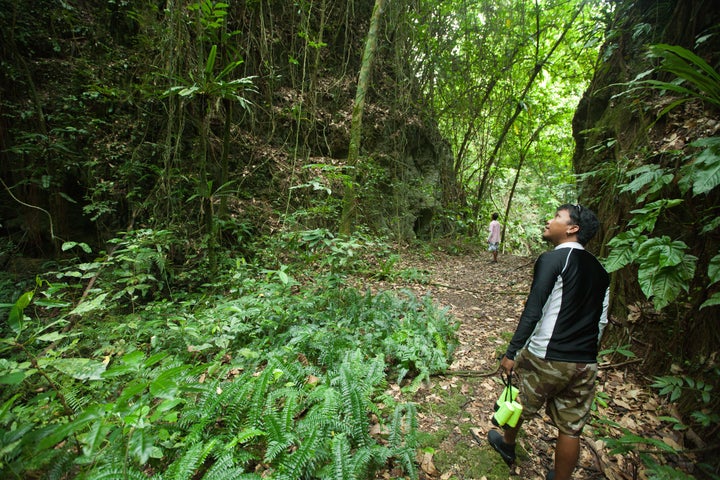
x=567, y=451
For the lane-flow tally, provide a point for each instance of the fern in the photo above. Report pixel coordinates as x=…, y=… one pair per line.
x=325, y=409
x=234, y=401
x=355, y=402
x=61, y=465
x=342, y=466
x=403, y=436
x=279, y=436
x=261, y=386
x=206, y=411
x=76, y=395
x=226, y=468
x=302, y=461
x=185, y=467
x=366, y=460
x=113, y=472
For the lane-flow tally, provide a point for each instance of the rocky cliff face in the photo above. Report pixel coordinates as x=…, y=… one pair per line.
x=90, y=80
x=618, y=133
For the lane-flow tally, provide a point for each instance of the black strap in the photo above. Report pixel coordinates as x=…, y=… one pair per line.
x=507, y=381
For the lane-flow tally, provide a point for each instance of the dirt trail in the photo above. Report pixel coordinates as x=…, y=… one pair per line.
x=487, y=298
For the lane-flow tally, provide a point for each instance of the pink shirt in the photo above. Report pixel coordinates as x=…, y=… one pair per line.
x=494, y=230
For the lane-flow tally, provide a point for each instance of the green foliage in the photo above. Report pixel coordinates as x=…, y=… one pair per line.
x=675, y=386
x=665, y=270
x=693, y=77
x=273, y=377
x=629, y=443
x=702, y=175
x=623, y=350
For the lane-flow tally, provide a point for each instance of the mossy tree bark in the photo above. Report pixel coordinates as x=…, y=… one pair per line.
x=349, y=200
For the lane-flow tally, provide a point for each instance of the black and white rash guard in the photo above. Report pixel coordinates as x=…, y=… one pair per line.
x=566, y=311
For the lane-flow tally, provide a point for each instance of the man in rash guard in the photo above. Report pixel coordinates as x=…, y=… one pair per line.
x=554, y=349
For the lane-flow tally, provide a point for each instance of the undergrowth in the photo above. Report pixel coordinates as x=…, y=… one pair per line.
x=111, y=370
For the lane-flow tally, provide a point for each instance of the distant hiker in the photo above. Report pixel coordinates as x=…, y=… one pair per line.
x=494, y=237
x=555, y=346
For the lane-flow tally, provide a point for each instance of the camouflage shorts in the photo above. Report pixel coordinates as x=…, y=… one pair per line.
x=566, y=389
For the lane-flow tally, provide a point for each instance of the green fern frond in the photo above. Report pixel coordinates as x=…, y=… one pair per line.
x=114, y=473
x=325, y=408
x=75, y=396
x=342, y=467
x=295, y=372
x=367, y=460
x=248, y=434
x=301, y=462
x=279, y=437
x=234, y=400
x=225, y=468
x=61, y=465
x=185, y=467
x=205, y=411
x=404, y=425
x=355, y=404
x=403, y=437
x=244, y=457
x=261, y=385
x=375, y=372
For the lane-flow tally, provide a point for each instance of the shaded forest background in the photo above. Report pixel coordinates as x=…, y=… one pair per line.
x=224, y=123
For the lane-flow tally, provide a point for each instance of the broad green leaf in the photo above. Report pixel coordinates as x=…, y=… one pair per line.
x=188, y=91
x=706, y=175
x=52, y=337
x=714, y=269
x=132, y=389
x=164, y=407
x=5, y=408
x=78, y=368
x=158, y=357
x=621, y=255
x=662, y=251
x=167, y=384
x=51, y=303
x=133, y=358
x=664, y=284
x=712, y=301
x=691, y=69
x=651, y=176
x=17, y=312
x=646, y=217
x=69, y=245
x=93, y=440
x=89, y=305
x=141, y=445
x=59, y=432
x=210, y=61
x=14, y=378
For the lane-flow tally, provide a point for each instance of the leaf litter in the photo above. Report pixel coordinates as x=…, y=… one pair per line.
x=487, y=300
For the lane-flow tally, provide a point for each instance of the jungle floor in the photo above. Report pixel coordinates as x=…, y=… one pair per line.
x=455, y=409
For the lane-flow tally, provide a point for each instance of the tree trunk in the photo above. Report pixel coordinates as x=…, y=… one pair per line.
x=349, y=201
x=523, y=155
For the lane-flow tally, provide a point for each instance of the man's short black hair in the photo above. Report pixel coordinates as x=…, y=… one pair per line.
x=584, y=218
x=495, y=216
